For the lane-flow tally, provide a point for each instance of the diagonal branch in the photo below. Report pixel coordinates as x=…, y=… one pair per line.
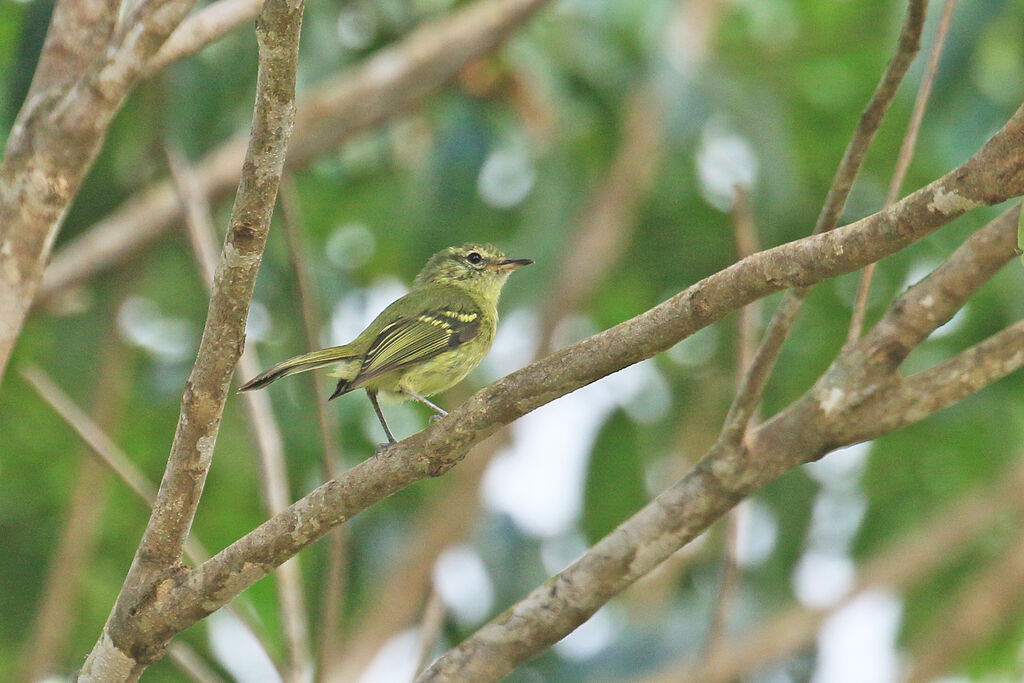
x=124, y=649
x=898, y=565
x=54, y=140
x=390, y=82
x=201, y=29
x=993, y=174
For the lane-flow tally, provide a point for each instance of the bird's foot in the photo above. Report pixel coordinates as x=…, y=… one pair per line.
x=435, y=417
x=382, y=448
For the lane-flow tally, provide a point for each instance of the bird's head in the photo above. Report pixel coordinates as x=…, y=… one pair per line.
x=479, y=268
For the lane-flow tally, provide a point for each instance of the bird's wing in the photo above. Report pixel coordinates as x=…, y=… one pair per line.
x=414, y=339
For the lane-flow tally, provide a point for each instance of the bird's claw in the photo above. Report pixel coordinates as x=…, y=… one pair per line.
x=434, y=418
x=382, y=448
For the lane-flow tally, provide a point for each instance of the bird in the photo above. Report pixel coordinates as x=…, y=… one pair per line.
x=424, y=342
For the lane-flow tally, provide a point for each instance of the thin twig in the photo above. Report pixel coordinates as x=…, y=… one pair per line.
x=309, y=305
x=88, y=500
x=748, y=327
x=111, y=456
x=99, y=443
x=906, y=154
x=333, y=589
x=749, y=394
x=189, y=661
x=267, y=434
x=201, y=29
x=430, y=629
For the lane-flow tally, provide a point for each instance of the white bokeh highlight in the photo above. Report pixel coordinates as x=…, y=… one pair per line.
x=858, y=642
x=590, y=639
x=236, y=649
x=538, y=481
x=506, y=177
x=350, y=246
x=725, y=160
x=757, y=530
x=167, y=338
x=461, y=579
x=396, y=660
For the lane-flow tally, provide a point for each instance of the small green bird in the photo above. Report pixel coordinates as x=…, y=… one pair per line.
x=426, y=341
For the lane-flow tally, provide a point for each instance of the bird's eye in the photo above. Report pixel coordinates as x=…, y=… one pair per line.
x=474, y=258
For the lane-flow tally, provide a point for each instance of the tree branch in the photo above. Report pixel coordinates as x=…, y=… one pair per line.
x=108, y=454
x=388, y=83
x=126, y=648
x=56, y=137
x=898, y=565
x=201, y=29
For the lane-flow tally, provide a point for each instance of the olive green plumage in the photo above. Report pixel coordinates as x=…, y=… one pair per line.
x=426, y=341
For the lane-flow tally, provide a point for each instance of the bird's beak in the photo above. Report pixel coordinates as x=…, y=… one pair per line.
x=512, y=263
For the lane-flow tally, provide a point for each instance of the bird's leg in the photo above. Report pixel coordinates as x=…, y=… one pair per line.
x=441, y=412
x=380, y=415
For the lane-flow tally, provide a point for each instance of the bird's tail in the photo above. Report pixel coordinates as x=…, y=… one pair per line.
x=303, y=363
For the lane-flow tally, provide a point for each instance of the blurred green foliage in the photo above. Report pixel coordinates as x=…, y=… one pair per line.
x=788, y=78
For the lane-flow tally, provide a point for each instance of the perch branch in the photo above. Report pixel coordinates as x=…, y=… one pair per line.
x=992, y=175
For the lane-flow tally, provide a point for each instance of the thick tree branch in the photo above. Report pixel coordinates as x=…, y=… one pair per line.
x=898, y=565
x=990, y=176
x=387, y=84
x=78, y=32
x=127, y=646
x=55, y=139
